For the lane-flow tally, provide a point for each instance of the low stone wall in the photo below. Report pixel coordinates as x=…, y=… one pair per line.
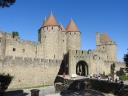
x=29, y=72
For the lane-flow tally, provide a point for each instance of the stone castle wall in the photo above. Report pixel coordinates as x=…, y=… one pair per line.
x=93, y=60
x=21, y=48
x=30, y=72
x=107, y=46
x=37, y=64
x=73, y=40
x=97, y=62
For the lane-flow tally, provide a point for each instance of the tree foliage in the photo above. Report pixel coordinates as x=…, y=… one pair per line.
x=5, y=80
x=112, y=68
x=126, y=59
x=14, y=34
x=6, y=3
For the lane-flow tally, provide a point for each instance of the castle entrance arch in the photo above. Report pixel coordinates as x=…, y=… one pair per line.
x=82, y=68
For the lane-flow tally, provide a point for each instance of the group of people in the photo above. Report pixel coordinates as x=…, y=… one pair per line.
x=115, y=78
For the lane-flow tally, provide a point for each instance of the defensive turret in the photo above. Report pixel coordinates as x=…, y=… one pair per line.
x=73, y=36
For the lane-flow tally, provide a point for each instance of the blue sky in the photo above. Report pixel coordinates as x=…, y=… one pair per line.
x=91, y=16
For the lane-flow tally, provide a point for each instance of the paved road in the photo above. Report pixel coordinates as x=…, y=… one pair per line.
x=43, y=91
x=50, y=91
x=27, y=92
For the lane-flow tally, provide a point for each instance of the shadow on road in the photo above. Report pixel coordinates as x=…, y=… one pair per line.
x=15, y=93
x=81, y=93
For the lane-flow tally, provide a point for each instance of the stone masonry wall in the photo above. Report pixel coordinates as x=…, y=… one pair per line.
x=29, y=72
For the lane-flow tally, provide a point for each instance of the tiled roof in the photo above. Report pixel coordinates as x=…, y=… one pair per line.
x=72, y=27
x=104, y=38
x=50, y=21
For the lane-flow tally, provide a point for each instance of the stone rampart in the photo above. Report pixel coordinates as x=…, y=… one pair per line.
x=30, y=72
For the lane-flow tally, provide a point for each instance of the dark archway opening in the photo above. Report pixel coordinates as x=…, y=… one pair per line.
x=82, y=68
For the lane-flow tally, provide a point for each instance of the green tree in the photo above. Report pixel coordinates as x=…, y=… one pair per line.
x=126, y=59
x=14, y=34
x=6, y=3
x=112, y=70
x=5, y=80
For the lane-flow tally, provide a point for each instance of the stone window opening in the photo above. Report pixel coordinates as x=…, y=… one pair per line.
x=0, y=40
x=76, y=51
x=54, y=56
x=14, y=49
x=52, y=28
x=23, y=50
x=82, y=52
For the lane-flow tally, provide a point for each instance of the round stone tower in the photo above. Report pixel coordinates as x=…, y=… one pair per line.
x=73, y=36
x=107, y=46
x=49, y=38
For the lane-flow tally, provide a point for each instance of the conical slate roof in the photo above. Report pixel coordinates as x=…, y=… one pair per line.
x=72, y=27
x=50, y=21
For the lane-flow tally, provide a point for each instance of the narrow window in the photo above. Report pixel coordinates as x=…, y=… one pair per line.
x=14, y=49
x=23, y=50
x=82, y=52
x=52, y=28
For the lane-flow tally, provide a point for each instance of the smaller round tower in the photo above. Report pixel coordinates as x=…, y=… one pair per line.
x=107, y=46
x=73, y=36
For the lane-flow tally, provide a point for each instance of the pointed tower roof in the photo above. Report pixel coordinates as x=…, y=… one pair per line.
x=50, y=21
x=72, y=27
x=104, y=38
x=63, y=29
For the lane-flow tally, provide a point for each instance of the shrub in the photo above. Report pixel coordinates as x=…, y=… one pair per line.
x=123, y=77
x=5, y=80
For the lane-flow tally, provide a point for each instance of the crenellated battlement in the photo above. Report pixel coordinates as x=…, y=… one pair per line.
x=26, y=60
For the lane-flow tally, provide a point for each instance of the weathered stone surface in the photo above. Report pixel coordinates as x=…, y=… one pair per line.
x=57, y=51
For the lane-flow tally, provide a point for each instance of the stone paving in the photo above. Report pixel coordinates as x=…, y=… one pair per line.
x=43, y=91
x=50, y=91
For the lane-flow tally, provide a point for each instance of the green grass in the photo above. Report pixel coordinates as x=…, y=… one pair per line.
x=124, y=77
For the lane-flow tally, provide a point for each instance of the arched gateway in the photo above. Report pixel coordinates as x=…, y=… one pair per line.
x=82, y=68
